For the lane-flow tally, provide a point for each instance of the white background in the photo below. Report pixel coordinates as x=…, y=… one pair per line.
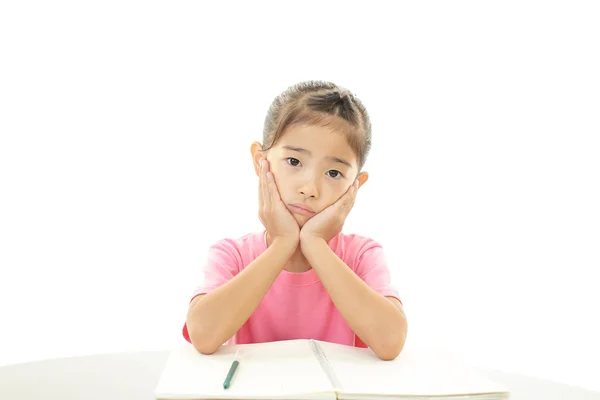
x=124, y=153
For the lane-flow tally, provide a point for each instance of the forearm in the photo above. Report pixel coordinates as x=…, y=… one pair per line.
x=375, y=319
x=218, y=315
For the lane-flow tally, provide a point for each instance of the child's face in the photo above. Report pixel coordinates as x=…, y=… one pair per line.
x=313, y=167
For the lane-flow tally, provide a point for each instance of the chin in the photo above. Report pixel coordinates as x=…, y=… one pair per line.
x=301, y=220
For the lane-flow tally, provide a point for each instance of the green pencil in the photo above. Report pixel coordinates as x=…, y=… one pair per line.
x=232, y=370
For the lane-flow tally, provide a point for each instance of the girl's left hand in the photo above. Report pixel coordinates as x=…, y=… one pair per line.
x=329, y=222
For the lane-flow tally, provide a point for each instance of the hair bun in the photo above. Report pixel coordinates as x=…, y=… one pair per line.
x=345, y=95
x=335, y=97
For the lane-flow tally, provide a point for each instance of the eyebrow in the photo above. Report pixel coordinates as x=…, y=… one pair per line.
x=334, y=159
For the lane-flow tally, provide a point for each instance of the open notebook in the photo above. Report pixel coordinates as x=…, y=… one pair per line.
x=315, y=370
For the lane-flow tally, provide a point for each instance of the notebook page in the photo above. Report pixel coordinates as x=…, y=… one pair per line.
x=277, y=370
x=415, y=372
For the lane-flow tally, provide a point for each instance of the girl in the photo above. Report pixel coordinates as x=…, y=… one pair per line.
x=302, y=278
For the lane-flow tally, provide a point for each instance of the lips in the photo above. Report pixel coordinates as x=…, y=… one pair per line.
x=301, y=209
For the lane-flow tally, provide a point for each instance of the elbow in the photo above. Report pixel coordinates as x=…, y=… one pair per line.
x=203, y=338
x=206, y=350
x=389, y=351
x=203, y=341
x=392, y=344
x=204, y=347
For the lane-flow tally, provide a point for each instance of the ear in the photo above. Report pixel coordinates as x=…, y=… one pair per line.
x=257, y=155
x=362, y=178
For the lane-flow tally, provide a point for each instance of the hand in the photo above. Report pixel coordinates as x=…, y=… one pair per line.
x=273, y=214
x=329, y=222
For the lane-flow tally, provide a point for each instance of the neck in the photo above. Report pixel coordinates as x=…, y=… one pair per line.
x=297, y=262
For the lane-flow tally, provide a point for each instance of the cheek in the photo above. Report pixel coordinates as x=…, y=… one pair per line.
x=275, y=167
x=277, y=164
x=341, y=190
x=330, y=194
x=281, y=178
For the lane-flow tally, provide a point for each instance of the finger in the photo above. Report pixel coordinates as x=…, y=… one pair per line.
x=260, y=183
x=266, y=191
x=347, y=200
x=272, y=188
x=264, y=188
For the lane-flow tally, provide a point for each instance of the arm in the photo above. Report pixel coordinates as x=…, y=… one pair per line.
x=215, y=317
x=379, y=321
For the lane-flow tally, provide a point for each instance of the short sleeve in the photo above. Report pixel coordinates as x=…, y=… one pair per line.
x=373, y=269
x=222, y=263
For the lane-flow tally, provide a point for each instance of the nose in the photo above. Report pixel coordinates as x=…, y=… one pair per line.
x=309, y=188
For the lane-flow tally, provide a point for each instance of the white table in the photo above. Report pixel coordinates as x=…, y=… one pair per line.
x=133, y=376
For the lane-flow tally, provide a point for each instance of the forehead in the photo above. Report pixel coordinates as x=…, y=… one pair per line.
x=320, y=140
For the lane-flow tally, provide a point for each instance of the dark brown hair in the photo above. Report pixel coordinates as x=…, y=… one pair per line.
x=320, y=103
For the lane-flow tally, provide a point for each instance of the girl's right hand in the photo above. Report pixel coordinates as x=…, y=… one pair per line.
x=273, y=214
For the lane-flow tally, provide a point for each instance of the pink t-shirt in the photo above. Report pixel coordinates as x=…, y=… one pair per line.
x=296, y=306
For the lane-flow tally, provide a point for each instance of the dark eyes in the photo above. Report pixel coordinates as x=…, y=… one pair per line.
x=332, y=173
